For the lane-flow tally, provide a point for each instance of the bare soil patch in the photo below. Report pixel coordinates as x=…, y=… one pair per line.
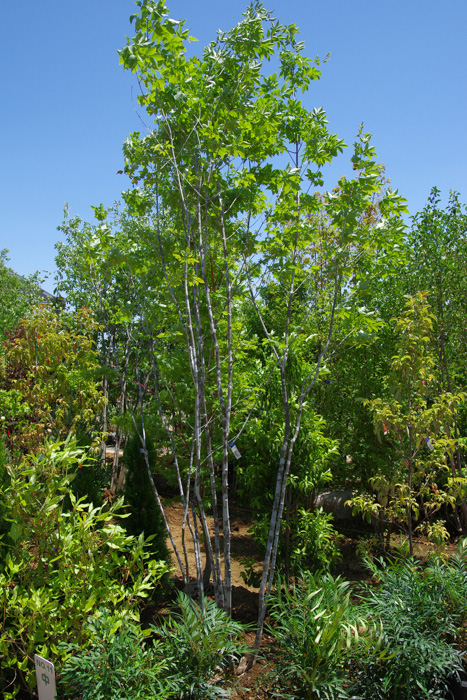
x=245, y=605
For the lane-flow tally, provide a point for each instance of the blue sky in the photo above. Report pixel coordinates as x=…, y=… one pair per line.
x=399, y=66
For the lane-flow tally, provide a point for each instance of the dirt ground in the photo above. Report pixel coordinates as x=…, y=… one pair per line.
x=242, y=547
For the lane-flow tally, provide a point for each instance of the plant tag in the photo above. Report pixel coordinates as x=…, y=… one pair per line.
x=45, y=676
x=429, y=444
x=235, y=451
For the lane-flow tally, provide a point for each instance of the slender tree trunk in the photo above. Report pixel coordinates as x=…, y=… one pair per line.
x=409, y=479
x=105, y=410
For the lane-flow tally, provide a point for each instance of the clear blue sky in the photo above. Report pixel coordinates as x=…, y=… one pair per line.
x=399, y=66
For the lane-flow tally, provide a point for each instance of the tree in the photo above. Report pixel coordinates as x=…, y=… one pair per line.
x=144, y=515
x=90, y=272
x=225, y=222
x=47, y=381
x=18, y=295
x=417, y=419
x=438, y=244
x=232, y=158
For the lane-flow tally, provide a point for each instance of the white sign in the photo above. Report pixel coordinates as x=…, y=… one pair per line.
x=45, y=675
x=235, y=450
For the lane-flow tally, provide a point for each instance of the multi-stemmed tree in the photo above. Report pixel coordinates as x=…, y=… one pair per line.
x=224, y=224
x=235, y=156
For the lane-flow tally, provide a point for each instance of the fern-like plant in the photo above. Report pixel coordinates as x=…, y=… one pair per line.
x=119, y=663
x=202, y=644
x=419, y=628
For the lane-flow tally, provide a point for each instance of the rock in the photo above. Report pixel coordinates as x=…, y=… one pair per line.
x=334, y=502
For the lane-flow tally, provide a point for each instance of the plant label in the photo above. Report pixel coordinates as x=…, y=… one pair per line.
x=45, y=675
x=429, y=444
x=235, y=451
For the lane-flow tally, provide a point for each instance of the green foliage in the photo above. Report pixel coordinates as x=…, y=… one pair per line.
x=310, y=470
x=438, y=245
x=308, y=539
x=191, y=657
x=418, y=420
x=250, y=574
x=420, y=621
x=449, y=578
x=315, y=634
x=92, y=480
x=59, y=564
x=355, y=375
x=397, y=643
x=4, y=480
x=47, y=378
x=224, y=208
x=120, y=662
x=201, y=643
x=308, y=542
x=18, y=294
x=144, y=514
x=314, y=541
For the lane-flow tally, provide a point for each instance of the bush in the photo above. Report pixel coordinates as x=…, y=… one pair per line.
x=190, y=658
x=49, y=379
x=315, y=632
x=144, y=515
x=420, y=620
x=202, y=643
x=450, y=579
x=59, y=564
x=4, y=479
x=314, y=541
x=120, y=662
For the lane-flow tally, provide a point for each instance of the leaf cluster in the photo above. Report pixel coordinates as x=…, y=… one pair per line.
x=48, y=384
x=316, y=632
x=203, y=644
x=120, y=661
x=189, y=656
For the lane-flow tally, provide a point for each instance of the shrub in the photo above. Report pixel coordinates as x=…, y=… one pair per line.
x=315, y=631
x=59, y=564
x=201, y=643
x=190, y=658
x=311, y=544
x=419, y=628
x=120, y=662
x=4, y=479
x=49, y=379
x=314, y=541
x=450, y=579
x=18, y=294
